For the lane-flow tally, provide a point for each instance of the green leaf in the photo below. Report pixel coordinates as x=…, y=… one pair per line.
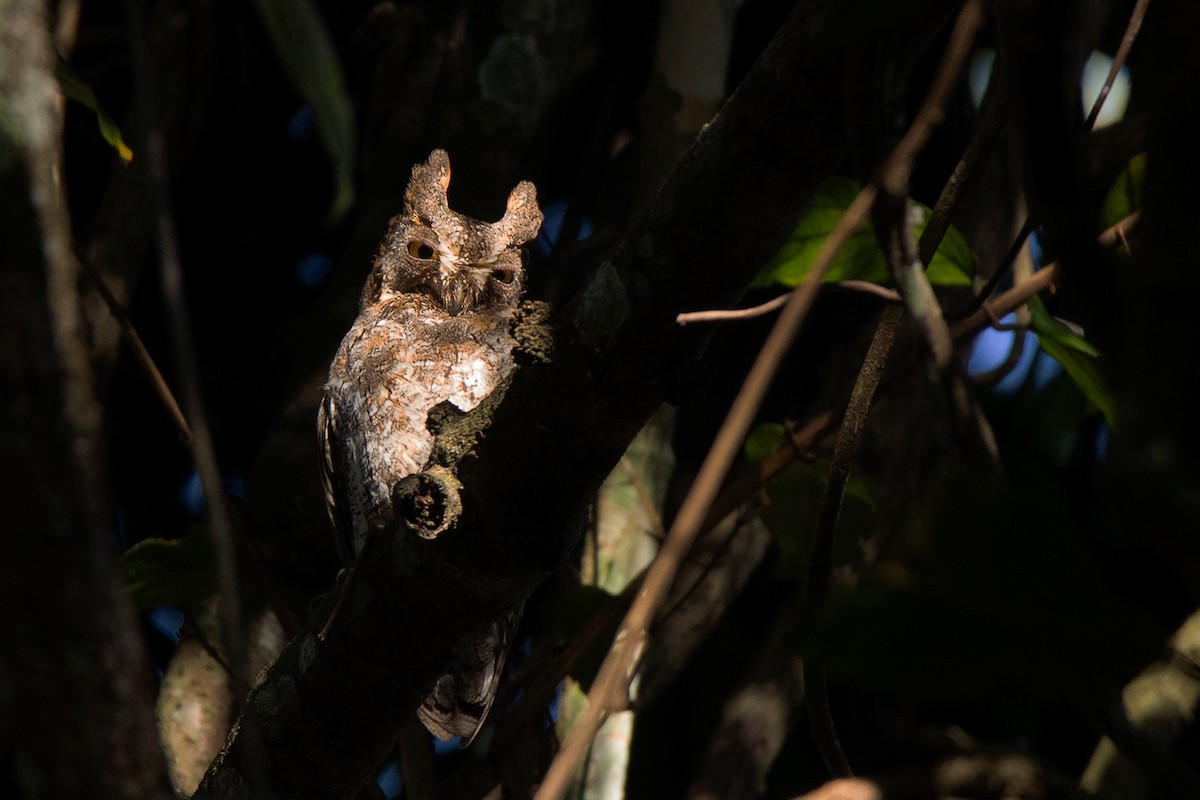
x=764, y=440
x=158, y=572
x=77, y=89
x=1125, y=196
x=1077, y=356
x=953, y=264
x=860, y=258
x=305, y=49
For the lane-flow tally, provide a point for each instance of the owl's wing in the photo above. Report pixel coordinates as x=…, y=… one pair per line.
x=332, y=464
x=460, y=700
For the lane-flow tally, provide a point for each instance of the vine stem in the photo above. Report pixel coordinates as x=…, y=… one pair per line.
x=902, y=256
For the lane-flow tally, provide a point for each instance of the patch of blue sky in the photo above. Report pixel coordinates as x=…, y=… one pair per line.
x=302, y=124
x=1095, y=72
x=1045, y=369
x=555, y=215
x=167, y=620
x=191, y=494
x=991, y=349
x=312, y=269
x=1101, y=443
x=389, y=780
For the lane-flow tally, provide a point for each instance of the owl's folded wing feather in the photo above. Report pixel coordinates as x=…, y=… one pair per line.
x=461, y=699
x=332, y=467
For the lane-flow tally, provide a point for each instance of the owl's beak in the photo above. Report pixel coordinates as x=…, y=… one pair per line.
x=454, y=297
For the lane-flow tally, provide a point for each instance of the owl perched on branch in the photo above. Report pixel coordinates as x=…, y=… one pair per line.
x=433, y=327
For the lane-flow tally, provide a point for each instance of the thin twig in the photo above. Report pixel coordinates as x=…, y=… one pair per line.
x=1116, y=233
x=1010, y=300
x=722, y=315
x=1042, y=279
x=144, y=359
x=993, y=281
x=1016, y=349
x=744, y=488
x=776, y=303
x=891, y=295
x=799, y=443
x=219, y=518
x=821, y=562
x=992, y=122
x=1131, y=32
x=270, y=586
x=907, y=266
x=713, y=559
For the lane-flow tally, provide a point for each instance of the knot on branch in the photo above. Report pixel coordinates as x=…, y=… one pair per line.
x=428, y=503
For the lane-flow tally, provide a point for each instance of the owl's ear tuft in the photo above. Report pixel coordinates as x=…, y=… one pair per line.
x=439, y=168
x=522, y=217
x=426, y=193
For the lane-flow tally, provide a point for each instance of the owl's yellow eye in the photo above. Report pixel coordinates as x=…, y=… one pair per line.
x=418, y=249
x=504, y=276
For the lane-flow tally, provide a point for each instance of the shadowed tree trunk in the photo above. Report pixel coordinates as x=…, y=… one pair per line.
x=77, y=705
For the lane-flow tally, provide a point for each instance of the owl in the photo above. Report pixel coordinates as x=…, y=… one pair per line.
x=433, y=327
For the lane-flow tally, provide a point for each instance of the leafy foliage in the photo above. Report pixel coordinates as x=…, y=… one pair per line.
x=77, y=89
x=1077, y=356
x=860, y=259
x=163, y=572
x=1125, y=196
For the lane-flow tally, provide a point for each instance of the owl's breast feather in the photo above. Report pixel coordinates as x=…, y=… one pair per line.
x=406, y=362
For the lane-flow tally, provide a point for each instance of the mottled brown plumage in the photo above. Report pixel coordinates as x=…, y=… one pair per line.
x=433, y=327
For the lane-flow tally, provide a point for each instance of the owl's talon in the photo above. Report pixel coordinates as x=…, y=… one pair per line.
x=344, y=580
